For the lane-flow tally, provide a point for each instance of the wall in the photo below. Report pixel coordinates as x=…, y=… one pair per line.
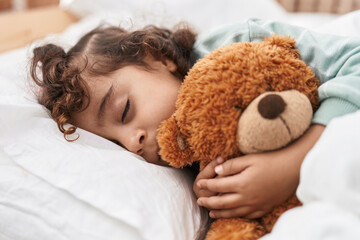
x=330, y=6
x=17, y=5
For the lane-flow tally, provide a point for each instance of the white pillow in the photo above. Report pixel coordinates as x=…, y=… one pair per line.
x=344, y=25
x=88, y=189
x=202, y=14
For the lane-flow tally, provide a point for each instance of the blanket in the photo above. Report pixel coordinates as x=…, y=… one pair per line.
x=329, y=187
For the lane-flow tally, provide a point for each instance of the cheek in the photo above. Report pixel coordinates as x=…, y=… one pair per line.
x=166, y=107
x=167, y=98
x=163, y=95
x=163, y=106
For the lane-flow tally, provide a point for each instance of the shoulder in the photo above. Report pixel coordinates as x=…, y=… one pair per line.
x=247, y=31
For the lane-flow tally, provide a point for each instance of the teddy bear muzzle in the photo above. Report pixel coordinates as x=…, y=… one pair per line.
x=273, y=120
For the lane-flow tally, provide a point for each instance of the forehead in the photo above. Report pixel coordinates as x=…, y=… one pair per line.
x=96, y=88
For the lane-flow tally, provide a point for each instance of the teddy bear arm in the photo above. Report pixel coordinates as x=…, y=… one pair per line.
x=235, y=229
x=172, y=144
x=269, y=220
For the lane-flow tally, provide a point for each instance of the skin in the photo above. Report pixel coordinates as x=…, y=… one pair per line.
x=151, y=93
x=247, y=186
x=252, y=185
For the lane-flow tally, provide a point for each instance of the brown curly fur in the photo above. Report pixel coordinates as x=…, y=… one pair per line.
x=211, y=100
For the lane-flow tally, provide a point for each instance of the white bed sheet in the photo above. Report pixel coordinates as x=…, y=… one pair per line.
x=89, y=189
x=329, y=188
x=92, y=189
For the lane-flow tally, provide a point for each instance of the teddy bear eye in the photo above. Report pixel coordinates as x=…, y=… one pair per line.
x=237, y=107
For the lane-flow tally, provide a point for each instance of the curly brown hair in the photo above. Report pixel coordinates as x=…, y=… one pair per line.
x=62, y=76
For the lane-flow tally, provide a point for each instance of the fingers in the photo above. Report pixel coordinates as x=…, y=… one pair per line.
x=220, y=202
x=209, y=170
x=257, y=214
x=207, y=173
x=227, y=206
x=231, y=166
x=229, y=213
x=220, y=185
x=236, y=212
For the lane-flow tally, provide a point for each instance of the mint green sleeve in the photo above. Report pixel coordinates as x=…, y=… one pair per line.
x=334, y=59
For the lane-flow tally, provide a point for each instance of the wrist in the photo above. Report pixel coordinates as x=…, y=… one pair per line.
x=304, y=144
x=298, y=151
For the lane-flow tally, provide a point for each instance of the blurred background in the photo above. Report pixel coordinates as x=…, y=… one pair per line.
x=332, y=6
x=16, y=5
x=23, y=21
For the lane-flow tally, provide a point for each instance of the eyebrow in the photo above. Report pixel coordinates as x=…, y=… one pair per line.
x=104, y=102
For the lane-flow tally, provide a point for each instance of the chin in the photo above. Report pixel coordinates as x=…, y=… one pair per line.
x=161, y=162
x=156, y=159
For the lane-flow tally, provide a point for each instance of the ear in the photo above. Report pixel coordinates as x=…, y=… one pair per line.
x=170, y=65
x=173, y=145
x=284, y=42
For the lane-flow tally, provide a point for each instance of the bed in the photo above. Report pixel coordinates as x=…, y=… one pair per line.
x=93, y=189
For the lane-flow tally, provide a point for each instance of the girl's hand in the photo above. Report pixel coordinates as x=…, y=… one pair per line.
x=252, y=185
x=208, y=172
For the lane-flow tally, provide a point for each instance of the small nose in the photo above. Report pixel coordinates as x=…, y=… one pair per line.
x=136, y=144
x=271, y=106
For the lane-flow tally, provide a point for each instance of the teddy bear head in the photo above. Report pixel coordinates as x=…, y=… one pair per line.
x=241, y=98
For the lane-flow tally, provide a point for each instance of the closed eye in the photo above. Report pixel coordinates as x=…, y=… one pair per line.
x=126, y=110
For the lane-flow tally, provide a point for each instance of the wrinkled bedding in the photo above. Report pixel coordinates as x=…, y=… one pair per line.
x=93, y=189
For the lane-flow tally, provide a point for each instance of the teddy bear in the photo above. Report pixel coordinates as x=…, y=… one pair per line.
x=242, y=98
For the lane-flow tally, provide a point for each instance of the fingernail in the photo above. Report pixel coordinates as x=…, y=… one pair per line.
x=219, y=169
x=219, y=160
x=211, y=214
x=199, y=202
x=198, y=184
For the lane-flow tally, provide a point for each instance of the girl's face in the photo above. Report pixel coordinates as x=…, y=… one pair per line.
x=128, y=106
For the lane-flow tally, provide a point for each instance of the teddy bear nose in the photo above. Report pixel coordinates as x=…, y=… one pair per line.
x=271, y=106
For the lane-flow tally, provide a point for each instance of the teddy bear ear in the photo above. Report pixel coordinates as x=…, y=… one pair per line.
x=284, y=42
x=173, y=146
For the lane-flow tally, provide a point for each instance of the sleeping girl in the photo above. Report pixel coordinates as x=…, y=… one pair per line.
x=122, y=84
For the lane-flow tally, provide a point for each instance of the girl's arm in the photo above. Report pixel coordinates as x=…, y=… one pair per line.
x=261, y=181
x=254, y=184
x=334, y=59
